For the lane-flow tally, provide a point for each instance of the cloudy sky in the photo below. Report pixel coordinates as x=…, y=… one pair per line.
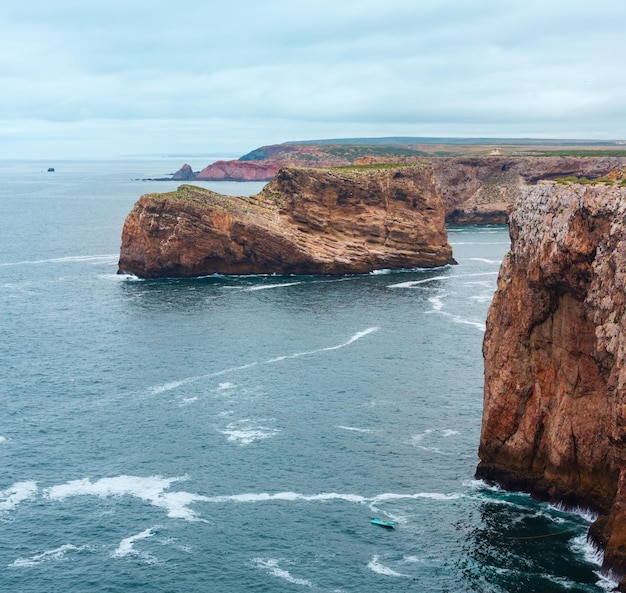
x=132, y=77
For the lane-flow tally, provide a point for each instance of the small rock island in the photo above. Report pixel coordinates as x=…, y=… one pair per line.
x=306, y=221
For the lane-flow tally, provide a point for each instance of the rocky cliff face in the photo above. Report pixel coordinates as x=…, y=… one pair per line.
x=554, y=420
x=306, y=221
x=238, y=171
x=482, y=190
x=475, y=190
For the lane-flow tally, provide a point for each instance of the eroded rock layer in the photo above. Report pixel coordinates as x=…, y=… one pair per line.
x=306, y=221
x=482, y=190
x=554, y=419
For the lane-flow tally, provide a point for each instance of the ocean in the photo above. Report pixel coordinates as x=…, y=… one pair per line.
x=235, y=434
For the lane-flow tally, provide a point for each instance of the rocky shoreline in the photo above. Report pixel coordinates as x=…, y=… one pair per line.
x=554, y=417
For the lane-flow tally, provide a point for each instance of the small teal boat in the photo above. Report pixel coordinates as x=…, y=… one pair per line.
x=383, y=522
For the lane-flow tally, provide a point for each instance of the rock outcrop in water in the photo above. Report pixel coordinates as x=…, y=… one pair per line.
x=554, y=419
x=306, y=221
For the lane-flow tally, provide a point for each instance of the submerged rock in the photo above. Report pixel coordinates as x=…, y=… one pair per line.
x=554, y=418
x=306, y=221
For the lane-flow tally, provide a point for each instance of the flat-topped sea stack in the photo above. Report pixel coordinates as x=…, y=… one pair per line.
x=554, y=419
x=306, y=221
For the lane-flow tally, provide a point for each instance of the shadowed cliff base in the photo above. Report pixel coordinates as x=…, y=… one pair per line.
x=306, y=221
x=554, y=417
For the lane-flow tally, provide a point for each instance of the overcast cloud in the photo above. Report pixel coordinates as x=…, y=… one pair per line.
x=96, y=79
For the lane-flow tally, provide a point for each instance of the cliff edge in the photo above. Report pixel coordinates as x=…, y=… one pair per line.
x=306, y=221
x=554, y=418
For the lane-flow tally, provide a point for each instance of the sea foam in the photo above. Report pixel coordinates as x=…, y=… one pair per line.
x=246, y=431
x=18, y=492
x=150, y=489
x=375, y=565
x=126, y=546
x=56, y=554
x=272, y=568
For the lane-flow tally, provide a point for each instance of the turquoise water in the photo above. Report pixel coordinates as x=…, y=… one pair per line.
x=234, y=434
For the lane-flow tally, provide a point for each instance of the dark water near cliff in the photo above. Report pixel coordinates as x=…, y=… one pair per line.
x=237, y=434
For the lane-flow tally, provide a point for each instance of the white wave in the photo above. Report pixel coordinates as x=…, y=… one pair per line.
x=482, y=298
x=56, y=554
x=289, y=496
x=436, y=302
x=457, y=319
x=485, y=283
x=485, y=260
x=418, y=282
x=223, y=386
x=448, y=277
x=125, y=277
x=61, y=260
x=414, y=559
x=428, y=495
x=151, y=489
x=127, y=548
x=268, y=286
x=376, y=566
x=418, y=438
x=433, y=450
x=354, y=428
x=157, y=389
x=581, y=546
x=445, y=432
x=18, y=492
x=2, y=440
x=481, y=485
x=587, y=514
x=449, y=432
x=188, y=400
x=381, y=272
x=247, y=431
x=272, y=567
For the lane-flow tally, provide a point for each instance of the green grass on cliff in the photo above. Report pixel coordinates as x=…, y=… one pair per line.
x=585, y=180
x=190, y=193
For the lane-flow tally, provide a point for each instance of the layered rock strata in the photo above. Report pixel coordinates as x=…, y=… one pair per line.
x=482, y=190
x=238, y=171
x=554, y=419
x=475, y=190
x=306, y=221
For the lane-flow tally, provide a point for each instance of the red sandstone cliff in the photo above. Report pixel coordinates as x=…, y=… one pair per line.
x=238, y=171
x=554, y=419
x=306, y=221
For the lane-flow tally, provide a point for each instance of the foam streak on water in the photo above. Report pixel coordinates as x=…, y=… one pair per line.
x=157, y=389
x=50, y=555
x=127, y=546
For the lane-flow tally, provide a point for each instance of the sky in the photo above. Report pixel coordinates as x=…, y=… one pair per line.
x=95, y=79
